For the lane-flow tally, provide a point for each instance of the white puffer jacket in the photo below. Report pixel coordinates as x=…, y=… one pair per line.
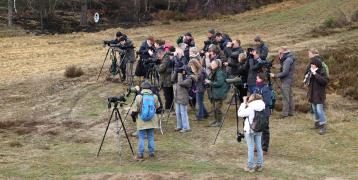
x=249, y=113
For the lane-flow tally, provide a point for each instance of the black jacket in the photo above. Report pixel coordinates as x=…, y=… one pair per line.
x=317, y=87
x=143, y=50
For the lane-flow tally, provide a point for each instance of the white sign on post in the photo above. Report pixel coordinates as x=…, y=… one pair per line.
x=96, y=17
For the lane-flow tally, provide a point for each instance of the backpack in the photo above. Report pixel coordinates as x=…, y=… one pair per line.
x=148, y=107
x=259, y=121
x=325, y=67
x=272, y=102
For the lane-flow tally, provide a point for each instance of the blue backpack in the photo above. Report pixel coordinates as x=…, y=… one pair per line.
x=148, y=107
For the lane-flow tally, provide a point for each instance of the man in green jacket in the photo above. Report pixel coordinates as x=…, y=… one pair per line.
x=219, y=89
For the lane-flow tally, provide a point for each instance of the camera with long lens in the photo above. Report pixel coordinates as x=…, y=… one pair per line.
x=307, y=79
x=115, y=100
x=240, y=136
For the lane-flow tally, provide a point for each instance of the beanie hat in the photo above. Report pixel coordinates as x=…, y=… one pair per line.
x=316, y=62
x=212, y=31
x=146, y=85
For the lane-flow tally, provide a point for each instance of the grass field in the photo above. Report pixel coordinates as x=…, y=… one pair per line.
x=51, y=127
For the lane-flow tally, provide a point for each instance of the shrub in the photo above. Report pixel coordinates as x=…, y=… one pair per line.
x=354, y=17
x=329, y=22
x=73, y=71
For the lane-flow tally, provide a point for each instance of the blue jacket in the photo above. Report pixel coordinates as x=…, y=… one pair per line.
x=265, y=91
x=143, y=50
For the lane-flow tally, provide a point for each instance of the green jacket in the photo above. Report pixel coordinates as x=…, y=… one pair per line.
x=141, y=125
x=165, y=71
x=218, y=86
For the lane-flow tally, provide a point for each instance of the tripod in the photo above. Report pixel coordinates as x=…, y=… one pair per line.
x=112, y=53
x=118, y=118
x=234, y=97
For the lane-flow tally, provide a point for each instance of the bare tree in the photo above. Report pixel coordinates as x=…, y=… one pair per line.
x=83, y=20
x=9, y=9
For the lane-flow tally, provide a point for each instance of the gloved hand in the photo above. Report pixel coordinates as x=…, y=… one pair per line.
x=313, y=70
x=134, y=116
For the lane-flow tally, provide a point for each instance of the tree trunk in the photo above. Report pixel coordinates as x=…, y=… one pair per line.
x=9, y=15
x=83, y=20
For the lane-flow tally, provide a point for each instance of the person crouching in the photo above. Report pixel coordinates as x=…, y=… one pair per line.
x=247, y=109
x=145, y=105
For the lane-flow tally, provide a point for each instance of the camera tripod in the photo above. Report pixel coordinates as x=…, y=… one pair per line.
x=112, y=53
x=118, y=118
x=234, y=97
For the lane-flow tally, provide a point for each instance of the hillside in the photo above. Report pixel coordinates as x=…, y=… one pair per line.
x=51, y=127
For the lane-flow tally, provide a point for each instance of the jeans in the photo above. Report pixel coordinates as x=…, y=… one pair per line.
x=319, y=114
x=181, y=112
x=141, y=136
x=288, y=106
x=251, y=89
x=253, y=139
x=202, y=113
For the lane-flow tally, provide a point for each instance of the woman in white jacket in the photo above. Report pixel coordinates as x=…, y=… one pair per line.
x=247, y=109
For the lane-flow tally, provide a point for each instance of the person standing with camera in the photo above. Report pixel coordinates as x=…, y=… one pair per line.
x=218, y=90
x=247, y=110
x=146, y=51
x=318, y=81
x=265, y=91
x=261, y=47
x=144, y=108
x=165, y=69
x=181, y=94
x=287, y=61
x=253, y=66
x=126, y=50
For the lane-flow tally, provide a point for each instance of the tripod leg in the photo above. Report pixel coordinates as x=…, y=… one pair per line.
x=166, y=122
x=118, y=132
x=103, y=64
x=221, y=125
x=105, y=132
x=125, y=132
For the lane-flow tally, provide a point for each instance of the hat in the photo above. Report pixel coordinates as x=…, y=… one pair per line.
x=146, y=85
x=193, y=52
x=119, y=34
x=188, y=34
x=257, y=38
x=316, y=62
x=212, y=31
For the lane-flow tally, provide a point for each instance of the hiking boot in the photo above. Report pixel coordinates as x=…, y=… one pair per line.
x=177, y=129
x=151, y=156
x=322, y=129
x=184, y=130
x=212, y=123
x=316, y=125
x=217, y=124
x=250, y=170
x=259, y=168
x=140, y=157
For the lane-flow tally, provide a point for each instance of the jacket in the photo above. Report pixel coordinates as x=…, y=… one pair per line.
x=165, y=70
x=317, y=87
x=218, y=86
x=249, y=113
x=263, y=50
x=182, y=87
x=266, y=94
x=128, y=51
x=287, y=68
x=143, y=50
x=141, y=125
x=253, y=67
x=200, y=82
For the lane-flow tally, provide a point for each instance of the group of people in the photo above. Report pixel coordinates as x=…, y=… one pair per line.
x=186, y=74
